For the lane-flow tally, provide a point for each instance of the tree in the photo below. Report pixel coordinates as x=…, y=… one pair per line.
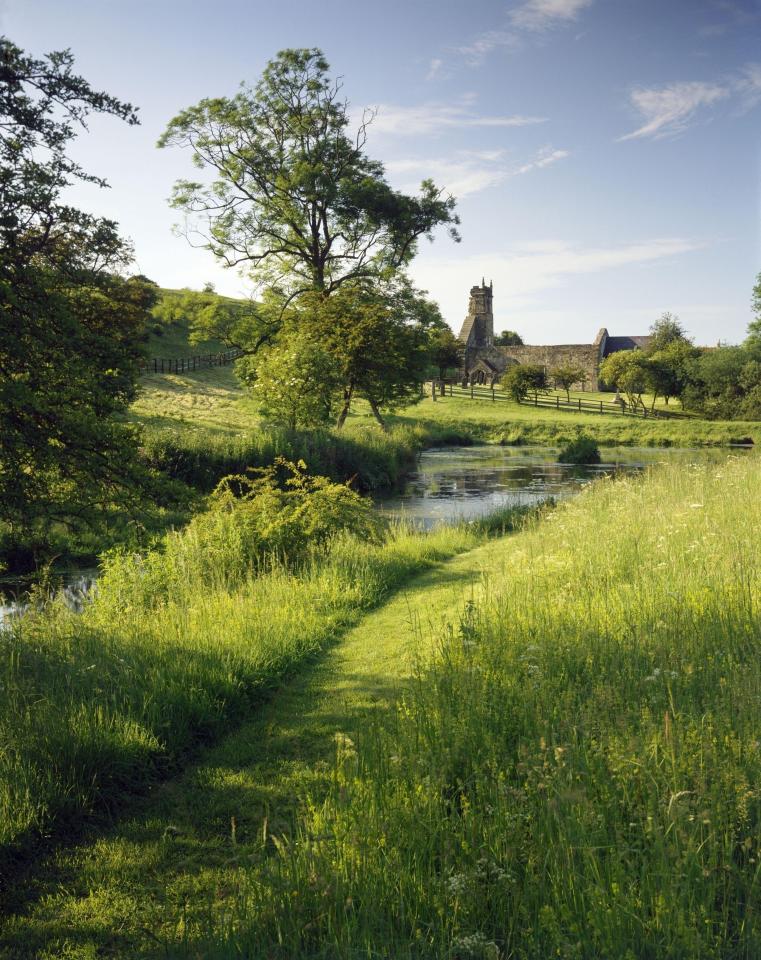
x=666, y=330
x=566, y=375
x=669, y=369
x=71, y=326
x=378, y=341
x=753, y=342
x=523, y=378
x=446, y=350
x=294, y=381
x=508, y=338
x=294, y=200
x=627, y=370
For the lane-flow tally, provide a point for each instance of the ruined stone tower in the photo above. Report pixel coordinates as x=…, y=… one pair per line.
x=478, y=328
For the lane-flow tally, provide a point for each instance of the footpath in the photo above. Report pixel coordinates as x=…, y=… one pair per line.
x=165, y=872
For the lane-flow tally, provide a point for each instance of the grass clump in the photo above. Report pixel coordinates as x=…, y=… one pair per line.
x=575, y=774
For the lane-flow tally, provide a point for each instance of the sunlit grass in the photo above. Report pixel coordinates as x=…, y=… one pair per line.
x=575, y=774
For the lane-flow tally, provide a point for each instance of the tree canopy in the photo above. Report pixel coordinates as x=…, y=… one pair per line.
x=293, y=198
x=508, y=338
x=71, y=324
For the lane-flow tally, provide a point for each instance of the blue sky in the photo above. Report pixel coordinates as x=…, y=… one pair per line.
x=605, y=153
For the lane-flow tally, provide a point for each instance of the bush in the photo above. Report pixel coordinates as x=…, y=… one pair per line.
x=582, y=449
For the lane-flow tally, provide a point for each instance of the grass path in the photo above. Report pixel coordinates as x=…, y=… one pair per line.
x=156, y=880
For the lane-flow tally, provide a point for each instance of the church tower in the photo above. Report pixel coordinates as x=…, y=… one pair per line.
x=477, y=331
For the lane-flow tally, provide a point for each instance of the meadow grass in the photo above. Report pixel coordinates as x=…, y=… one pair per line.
x=574, y=774
x=169, y=654
x=511, y=423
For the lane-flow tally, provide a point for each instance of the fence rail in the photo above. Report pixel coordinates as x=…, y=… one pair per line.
x=199, y=361
x=555, y=403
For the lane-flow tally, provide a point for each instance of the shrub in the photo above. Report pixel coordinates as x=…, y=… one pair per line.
x=583, y=449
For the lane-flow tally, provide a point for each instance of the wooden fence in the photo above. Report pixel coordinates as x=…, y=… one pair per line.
x=577, y=405
x=185, y=364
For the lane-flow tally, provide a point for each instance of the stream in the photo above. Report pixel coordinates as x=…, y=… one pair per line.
x=450, y=484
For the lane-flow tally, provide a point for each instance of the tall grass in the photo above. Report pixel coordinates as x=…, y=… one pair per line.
x=576, y=774
x=173, y=649
x=373, y=459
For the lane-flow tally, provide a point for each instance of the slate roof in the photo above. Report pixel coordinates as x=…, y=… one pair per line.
x=614, y=344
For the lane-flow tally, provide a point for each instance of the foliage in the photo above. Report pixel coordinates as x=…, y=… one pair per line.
x=294, y=199
x=71, y=327
x=582, y=449
x=627, y=370
x=378, y=341
x=725, y=383
x=564, y=377
x=520, y=379
x=666, y=330
x=508, y=338
x=295, y=381
x=446, y=350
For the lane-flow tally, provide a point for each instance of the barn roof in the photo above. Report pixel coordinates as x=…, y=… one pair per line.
x=614, y=344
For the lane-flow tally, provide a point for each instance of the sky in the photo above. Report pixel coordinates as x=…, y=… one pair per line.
x=604, y=153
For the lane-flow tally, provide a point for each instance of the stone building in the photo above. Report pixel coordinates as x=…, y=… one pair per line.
x=485, y=363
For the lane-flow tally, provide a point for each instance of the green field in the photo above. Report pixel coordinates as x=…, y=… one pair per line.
x=212, y=401
x=572, y=770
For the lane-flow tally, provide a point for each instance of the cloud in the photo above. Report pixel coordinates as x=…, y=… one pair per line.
x=531, y=17
x=544, y=158
x=431, y=118
x=522, y=274
x=470, y=171
x=540, y=15
x=434, y=68
x=669, y=110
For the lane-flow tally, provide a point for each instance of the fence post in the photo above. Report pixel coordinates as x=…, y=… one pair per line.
x=579, y=404
x=451, y=393
x=433, y=390
x=601, y=410
x=493, y=398
x=557, y=402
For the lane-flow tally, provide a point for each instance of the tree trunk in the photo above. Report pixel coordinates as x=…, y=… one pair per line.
x=377, y=414
x=348, y=393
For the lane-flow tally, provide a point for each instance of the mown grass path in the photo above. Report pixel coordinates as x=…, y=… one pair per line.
x=163, y=875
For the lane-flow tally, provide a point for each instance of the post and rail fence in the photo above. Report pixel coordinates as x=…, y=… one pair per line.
x=444, y=388
x=199, y=361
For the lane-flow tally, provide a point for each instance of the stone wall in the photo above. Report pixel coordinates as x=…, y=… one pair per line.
x=584, y=355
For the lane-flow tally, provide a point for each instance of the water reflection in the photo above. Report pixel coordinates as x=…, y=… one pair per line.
x=74, y=588
x=462, y=483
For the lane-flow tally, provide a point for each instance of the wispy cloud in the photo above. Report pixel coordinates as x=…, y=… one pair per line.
x=522, y=274
x=429, y=118
x=544, y=158
x=529, y=18
x=434, y=68
x=469, y=171
x=540, y=15
x=669, y=110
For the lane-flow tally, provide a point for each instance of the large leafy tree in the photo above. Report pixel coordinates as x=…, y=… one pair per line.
x=291, y=196
x=71, y=325
x=379, y=342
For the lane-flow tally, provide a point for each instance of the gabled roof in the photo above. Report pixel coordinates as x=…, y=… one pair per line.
x=467, y=326
x=614, y=344
x=487, y=364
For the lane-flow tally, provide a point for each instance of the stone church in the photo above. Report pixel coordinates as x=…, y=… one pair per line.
x=485, y=363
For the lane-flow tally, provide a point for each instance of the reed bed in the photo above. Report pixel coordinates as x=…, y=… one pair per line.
x=575, y=773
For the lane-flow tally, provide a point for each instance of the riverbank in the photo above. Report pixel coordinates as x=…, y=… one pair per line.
x=571, y=768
